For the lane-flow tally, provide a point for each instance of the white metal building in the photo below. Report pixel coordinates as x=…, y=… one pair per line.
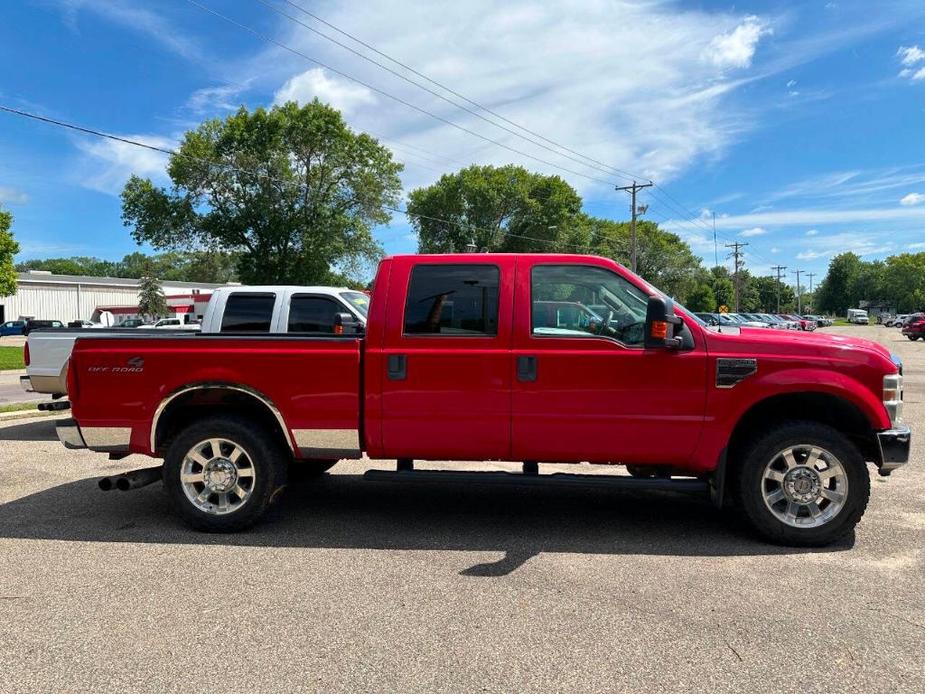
x=44, y=295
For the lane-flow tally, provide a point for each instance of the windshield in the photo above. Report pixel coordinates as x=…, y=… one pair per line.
x=358, y=300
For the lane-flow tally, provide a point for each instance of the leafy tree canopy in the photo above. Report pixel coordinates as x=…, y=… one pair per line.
x=187, y=266
x=8, y=249
x=291, y=190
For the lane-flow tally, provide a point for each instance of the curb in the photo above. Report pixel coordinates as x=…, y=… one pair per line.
x=24, y=414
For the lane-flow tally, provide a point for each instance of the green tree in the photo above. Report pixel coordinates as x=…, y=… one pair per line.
x=701, y=298
x=8, y=249
x=723, y=289
x=662, y=258
x=151, y=301
x=291, y=190
x=497, y=208
x=768, y=288
x=837, y=292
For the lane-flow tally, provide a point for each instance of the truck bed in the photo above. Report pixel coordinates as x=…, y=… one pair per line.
x=125, y=388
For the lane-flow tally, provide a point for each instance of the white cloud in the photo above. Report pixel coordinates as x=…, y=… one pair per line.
x=754, y=231
x=13, y=196
x=812, y=232
x=912, y=199
x=913, y=246
x=919, y=75
x=580, y=93
x=138, y=19
x=736, y=48
x=791, y=83
x=223, y=97
x=109, y=164
x=910, y=55
x=343, y=95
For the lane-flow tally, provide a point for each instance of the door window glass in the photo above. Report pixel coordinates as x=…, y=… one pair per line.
x=453, y=300
x=313, y=314
x=250, y=313
x=585, y=301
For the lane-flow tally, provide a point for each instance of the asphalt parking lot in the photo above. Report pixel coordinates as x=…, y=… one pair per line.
x=359, y=586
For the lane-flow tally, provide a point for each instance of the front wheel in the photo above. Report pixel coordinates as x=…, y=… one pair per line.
x=913, y=337
x=802, y=484
x=223, y=472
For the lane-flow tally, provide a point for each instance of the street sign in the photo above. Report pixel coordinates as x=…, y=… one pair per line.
x=724, y=309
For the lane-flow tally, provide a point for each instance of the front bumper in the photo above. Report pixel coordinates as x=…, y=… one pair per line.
x=894, y=448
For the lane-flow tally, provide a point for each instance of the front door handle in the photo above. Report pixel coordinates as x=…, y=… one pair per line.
x=526, y=369
x=397, y=367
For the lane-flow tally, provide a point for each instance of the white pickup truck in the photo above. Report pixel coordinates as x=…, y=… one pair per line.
x=270, y=309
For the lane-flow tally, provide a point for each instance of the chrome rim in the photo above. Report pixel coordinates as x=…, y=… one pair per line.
x=218, y=476
x=804, y=486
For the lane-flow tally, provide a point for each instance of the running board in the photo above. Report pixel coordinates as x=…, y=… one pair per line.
x=559, y=478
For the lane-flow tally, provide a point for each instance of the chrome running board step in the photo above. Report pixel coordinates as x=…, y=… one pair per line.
x=685, y=485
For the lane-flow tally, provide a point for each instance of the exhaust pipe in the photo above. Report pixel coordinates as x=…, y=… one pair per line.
x=131, y=480
x=139, y=478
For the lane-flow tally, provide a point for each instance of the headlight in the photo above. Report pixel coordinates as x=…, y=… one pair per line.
x=893, y=396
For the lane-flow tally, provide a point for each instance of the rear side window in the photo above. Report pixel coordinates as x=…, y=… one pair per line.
x=313, y=314
x=248, y=313
x=453, y=300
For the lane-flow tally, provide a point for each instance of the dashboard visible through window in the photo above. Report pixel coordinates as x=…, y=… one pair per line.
x=586, y=301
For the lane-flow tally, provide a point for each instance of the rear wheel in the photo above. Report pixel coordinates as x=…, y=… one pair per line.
x=802, y=484
x=223, y=472
x=913, y=337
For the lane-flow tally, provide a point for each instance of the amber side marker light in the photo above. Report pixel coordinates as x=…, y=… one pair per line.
x=659, y=330
x=338, y=330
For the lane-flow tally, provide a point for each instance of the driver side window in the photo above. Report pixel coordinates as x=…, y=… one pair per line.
x=586, y=301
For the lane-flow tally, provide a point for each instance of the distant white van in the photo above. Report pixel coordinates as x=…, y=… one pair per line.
x=859, y=316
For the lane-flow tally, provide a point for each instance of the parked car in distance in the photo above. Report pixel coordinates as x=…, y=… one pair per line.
x=895, y=321
x=858, y=316
x=775, y=322
x=915, y=328
x=711, y=319
x=457, y=366
x=170, y=324
x=801, y=323
x=13, y=327
x=821, y=321
x=131, y=323
x=34, y=324
x=745, y=322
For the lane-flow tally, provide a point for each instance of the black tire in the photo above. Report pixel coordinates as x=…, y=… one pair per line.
x=913, y=337
x=266, y=456
x=749, y=484
x=641, y=471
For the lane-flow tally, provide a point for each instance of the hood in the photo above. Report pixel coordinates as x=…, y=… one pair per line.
x=801, y=345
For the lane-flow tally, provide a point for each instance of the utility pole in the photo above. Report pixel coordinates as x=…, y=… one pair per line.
x=633, y=189
x=715, y=252
x=799, y=298
x=737, y=255
x=811, y=275
x=779, y=269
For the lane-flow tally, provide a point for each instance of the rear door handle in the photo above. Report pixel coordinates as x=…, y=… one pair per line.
x=397, y=367
x=526, y=369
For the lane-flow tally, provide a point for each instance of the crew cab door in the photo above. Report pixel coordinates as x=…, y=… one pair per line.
x=444, y=364
x=586, y=392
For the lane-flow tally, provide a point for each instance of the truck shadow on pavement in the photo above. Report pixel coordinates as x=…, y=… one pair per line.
x=344, y=511
x=41, y=430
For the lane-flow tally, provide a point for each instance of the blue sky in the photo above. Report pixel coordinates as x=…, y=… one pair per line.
x=798, y=124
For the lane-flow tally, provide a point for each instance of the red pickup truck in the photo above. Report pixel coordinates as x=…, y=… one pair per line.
x=526, y=358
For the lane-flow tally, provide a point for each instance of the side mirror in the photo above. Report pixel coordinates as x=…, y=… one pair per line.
x=347, y=324
x=660, y=324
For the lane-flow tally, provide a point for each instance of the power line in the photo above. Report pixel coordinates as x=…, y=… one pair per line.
x=388, y=95
x=584, y=160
